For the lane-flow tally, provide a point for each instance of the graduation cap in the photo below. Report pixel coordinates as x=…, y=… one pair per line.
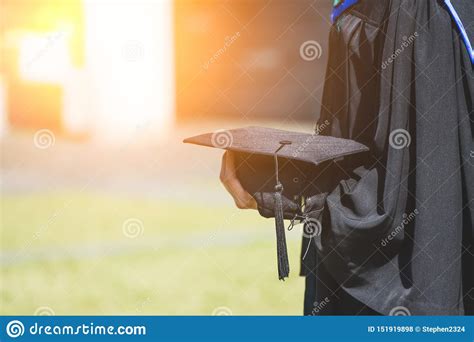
x=279, y=169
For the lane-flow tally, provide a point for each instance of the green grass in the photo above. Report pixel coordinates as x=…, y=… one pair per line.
x=67, y=251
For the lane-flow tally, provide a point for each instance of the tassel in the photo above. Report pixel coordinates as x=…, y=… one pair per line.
x=282, y=252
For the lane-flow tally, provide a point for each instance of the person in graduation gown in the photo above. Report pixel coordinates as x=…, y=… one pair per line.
x=398, y=228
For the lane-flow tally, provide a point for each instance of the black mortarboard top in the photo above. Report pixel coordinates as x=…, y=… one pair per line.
x=260, y=150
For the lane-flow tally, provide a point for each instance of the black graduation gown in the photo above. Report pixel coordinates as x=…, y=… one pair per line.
x=398, y=229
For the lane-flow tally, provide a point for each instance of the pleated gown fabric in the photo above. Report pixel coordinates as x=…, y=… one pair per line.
x=397, y=235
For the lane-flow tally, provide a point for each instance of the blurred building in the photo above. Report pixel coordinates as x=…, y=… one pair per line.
x=40, y=42
x=84, y=68
x=97, y=67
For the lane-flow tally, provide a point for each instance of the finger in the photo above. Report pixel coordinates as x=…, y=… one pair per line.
x=242, y=198
x=227, y=166
x=228, y=177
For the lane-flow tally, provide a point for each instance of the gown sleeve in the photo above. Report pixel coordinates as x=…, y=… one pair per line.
x=400, y=81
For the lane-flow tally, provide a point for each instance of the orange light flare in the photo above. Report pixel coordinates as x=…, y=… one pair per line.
x=112, y=61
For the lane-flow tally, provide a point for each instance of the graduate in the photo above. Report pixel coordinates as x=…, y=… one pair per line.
x=397, y=222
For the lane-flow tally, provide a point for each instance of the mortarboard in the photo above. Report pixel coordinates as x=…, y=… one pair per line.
x=280, y=169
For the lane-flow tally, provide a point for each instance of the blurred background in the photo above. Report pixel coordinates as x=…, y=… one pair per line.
x=103, y=209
